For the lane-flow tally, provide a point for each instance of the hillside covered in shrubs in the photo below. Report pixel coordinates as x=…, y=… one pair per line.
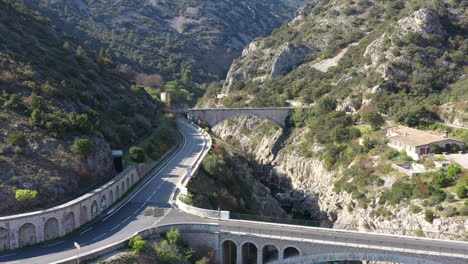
x=62, y=109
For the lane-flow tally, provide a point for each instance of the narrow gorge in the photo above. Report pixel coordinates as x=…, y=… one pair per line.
x=306, y=187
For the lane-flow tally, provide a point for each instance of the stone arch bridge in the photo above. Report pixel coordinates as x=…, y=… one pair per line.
x=246, y=242
x=214, y=116
x=263, y=243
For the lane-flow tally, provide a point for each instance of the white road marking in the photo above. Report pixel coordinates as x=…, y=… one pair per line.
x=126, y=219
x=115, y=227
x=136, y=211
x=148, y=182
x=9, y=255
x=96, y=238
x=86, y=230
x=54, y=244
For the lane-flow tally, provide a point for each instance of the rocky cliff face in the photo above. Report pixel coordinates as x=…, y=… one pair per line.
x=372, y=47
x=309, y=185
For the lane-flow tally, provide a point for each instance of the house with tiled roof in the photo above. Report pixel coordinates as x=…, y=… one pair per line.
x=418, y=142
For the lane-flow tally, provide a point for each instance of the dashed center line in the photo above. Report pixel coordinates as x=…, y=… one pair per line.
x=115, y=227
x=9, y=255
x=96, y=238
x=86, y=230
x=54, y=244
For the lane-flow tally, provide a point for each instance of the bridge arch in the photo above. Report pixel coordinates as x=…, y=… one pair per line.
x=69, y=222
x=94, y=209
x=51, y=229
x=128, y=184
x=4, y=239
x=229, y=252
x=249, y=252
x=83, y=215
x=27, y=235
x=291, y=252
x=117, y=193
x=103, y=203
x=111, y=197
x=358, y=256
x=270, y=253
x=123, y=187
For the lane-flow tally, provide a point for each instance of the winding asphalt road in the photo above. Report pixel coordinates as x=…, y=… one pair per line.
x=130, y=217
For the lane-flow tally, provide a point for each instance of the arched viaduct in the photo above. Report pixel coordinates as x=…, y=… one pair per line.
x=30, y=228
x=254, y=248
x=215, y=116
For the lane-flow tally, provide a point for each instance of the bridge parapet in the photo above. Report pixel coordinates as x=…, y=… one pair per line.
x=215, y=116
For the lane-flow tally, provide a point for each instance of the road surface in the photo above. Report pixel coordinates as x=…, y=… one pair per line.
x=126, y=220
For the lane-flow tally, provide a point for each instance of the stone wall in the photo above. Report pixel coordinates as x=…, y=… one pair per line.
x=34, y=227
x=201, y=212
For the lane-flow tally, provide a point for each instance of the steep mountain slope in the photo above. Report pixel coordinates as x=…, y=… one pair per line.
x=396, y=53
x=357, y=61
x=54, y=92
x=163, y=36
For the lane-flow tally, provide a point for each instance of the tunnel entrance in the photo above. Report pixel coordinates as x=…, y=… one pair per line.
x=229, y=252
x=118, y=160
x=269, y=254
x=249, y=254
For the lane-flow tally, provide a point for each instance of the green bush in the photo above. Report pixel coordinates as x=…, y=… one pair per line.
x=441, y=180
x=439, y=195
x=15, y=103
x=454, y=171
x=137, y=154
x=187, y=199
x=416, y=209
x=18, y=140
x=82, y=147
x=137, y=244
x=462, y=191
x=429, y=216
x=25, y=195
x=174, y=237
x=37, y=102
x=374, y=119
x=167, y=253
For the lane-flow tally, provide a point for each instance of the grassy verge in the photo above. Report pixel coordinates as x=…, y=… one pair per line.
x=155, y=145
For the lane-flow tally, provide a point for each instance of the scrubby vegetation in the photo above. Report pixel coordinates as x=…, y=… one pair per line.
x=222, y=183
x=171, y=249
x=61, y=100
x=155, y=145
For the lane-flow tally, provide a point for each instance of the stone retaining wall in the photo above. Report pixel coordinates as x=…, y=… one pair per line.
x=30, y=228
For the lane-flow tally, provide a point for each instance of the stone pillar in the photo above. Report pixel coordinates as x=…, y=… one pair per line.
x=259, y=255
x=280, y=255
x=239, y=254
x=40, y=229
